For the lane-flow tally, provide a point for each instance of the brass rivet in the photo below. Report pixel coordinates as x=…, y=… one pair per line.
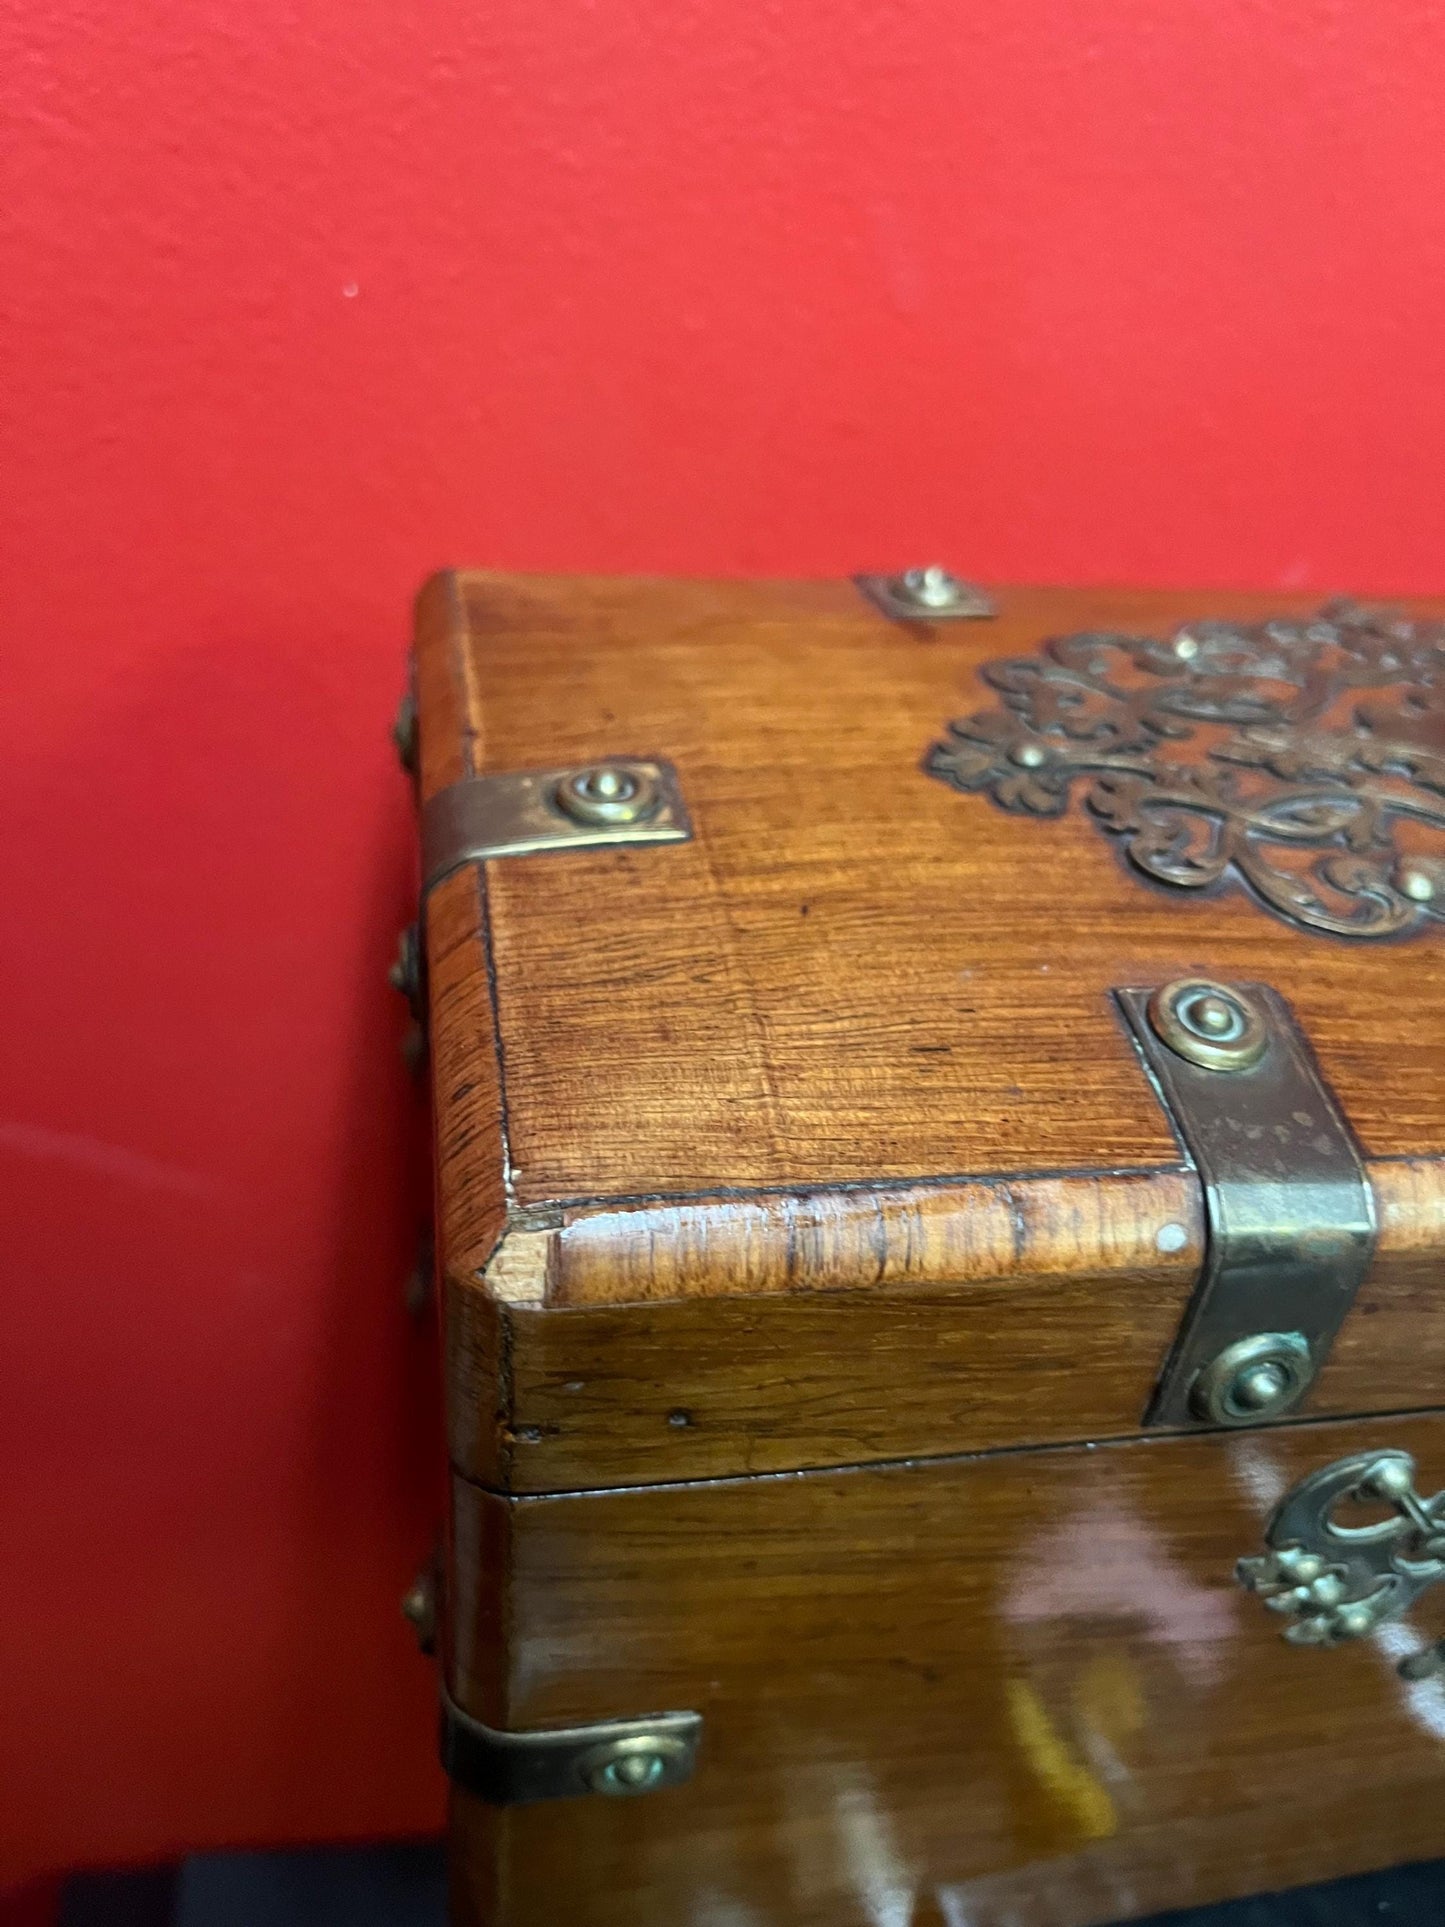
x=419, y=1608
x=1212, y=1025
x=1261, y=1386
x=405, y=733
x=931, y=587
x=1215, y=1016
x=607, y=793
x=631, y=1766
x=1255, y=1378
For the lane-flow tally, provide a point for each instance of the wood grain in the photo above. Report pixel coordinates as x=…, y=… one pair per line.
x=817, y=1143
x=819, y=1330
x=854, y=974
x=445, y=700
x=631, y=1345
x=1020, y=1691
x=1041, y=1229
x=469, y=1127
x=848, y=1061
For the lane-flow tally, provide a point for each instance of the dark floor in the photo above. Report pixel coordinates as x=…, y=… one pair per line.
x=405, y=1887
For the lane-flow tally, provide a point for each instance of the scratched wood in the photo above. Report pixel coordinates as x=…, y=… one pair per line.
x=1020, y=1691
x=966, y=1323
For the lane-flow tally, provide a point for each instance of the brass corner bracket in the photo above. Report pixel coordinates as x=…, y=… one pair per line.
x=619, y=1758
x=625, y=799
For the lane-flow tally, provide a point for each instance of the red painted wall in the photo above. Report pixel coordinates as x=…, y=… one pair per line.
x=306, y=299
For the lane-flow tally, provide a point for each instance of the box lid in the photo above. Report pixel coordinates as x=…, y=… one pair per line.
x=845, y=1071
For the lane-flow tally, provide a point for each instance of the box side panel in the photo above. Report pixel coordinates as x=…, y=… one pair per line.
x=1021, y=1690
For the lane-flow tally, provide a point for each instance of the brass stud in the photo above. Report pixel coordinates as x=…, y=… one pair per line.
x=1212, y=1025
x=1255, y=1378
x=931, y=587
x=607, y=793
x=419, y=1607
x=641, y=1764
x=405, y=734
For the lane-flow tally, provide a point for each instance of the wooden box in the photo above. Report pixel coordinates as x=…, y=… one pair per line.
x=940, y=1129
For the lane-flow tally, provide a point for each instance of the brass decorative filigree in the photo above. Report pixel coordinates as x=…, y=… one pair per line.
x=1232, y=751
x=1333, y=1581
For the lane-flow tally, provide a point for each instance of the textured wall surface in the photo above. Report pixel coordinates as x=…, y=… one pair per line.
x=303, y=300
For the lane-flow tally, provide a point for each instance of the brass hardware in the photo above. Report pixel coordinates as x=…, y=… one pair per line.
x=405, y=732
x=419, y=1606
x=927, y=594
x=619, y=1758
x=1336, y=1582
x=1209, y=1024
x=523, y=812
x=1283, y=756
x=1261, y=1377
x=1289, y=1210
x=406, y=973
x=608, y=793
x=631, y=1766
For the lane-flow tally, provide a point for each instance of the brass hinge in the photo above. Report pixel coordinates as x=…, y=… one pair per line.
x=1288, y=1205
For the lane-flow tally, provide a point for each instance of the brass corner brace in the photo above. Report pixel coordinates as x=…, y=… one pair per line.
x=621, y=1758
x=1288, y=1206
x=626, y=799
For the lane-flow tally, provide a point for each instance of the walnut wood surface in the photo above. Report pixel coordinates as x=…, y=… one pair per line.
x=1020, y=1691
x=853, y=974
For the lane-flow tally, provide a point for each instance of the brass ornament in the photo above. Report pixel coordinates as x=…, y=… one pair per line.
x=1332, y=1580
x=1301, y=757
